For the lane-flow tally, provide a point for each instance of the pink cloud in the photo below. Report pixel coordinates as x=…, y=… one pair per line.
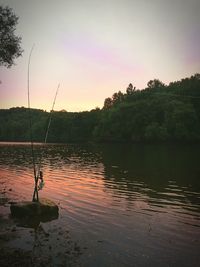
x=100, y=54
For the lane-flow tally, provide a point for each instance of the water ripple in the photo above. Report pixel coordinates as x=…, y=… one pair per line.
x=100, y=199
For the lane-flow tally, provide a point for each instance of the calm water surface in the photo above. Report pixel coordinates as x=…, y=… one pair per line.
x=126, y=205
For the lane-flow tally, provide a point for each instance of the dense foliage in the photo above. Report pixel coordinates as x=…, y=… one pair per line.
x=9, y=42
x=157, y=113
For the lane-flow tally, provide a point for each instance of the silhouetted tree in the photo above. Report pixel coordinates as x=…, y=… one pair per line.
x=173, y=114
x=117, y=97
x=9, y=42
x=130, y=89
x=107, y=103
x=155, y=84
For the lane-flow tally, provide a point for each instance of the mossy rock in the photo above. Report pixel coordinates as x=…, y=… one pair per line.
x=30, y=208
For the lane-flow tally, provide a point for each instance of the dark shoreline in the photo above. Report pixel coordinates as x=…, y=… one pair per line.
x=33, y=247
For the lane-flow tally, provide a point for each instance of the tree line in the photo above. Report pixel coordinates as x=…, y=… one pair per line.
x=158, y=113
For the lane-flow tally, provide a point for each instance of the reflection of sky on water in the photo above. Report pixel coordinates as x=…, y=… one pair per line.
x=167, y=172
x=135, y=197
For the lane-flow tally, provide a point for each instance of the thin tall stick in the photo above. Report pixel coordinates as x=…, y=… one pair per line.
x=51, y=112
x=35, y=198
x=36, y=176
x=47, y=129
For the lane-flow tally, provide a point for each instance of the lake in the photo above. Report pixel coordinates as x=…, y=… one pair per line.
x=124, y=205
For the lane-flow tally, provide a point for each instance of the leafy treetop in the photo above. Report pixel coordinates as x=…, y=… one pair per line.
x=9, y=43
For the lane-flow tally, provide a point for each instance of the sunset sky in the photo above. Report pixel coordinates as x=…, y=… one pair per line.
x=95, y=48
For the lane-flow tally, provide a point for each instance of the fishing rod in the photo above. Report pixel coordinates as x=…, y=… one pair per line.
x=30, y=116
x=38, y=174
x=50, y=116
x=47, y=129
x=35, y=194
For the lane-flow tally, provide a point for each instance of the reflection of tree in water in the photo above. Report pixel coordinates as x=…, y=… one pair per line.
x=55, y=156
x=128, y=169
x=138, y=168
x=149, y=170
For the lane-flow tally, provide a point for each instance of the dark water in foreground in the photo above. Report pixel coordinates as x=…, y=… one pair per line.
x=125, y=205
